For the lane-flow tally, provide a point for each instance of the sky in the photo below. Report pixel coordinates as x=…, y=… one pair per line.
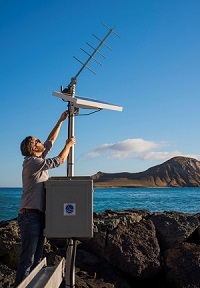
x=152, y=70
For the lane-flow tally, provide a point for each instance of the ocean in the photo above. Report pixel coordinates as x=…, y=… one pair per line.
x=185, y=200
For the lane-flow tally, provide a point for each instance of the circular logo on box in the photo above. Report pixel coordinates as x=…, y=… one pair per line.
x=69, y=209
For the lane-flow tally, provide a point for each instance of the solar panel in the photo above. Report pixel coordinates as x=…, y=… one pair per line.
x=87, y=103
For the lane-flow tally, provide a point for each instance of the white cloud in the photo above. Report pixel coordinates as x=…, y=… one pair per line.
x=159, y=155
x=135, y=148
x=124, y=149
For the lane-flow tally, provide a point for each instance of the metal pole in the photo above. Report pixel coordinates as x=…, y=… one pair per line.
x=70, y=162
x=71, y=249
x=70, y=263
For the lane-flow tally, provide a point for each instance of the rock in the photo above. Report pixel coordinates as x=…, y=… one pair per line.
x=182, y=265
x=7, y=276
x=174, y=228
x=120, y=242
x=131, y=248
x=9, y=243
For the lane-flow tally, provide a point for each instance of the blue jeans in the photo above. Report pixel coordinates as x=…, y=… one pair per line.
x=32, y=243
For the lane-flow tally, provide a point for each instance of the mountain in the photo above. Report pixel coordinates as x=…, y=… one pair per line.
x=177, y=172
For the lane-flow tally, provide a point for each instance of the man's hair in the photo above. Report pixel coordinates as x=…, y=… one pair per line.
x=26, y=146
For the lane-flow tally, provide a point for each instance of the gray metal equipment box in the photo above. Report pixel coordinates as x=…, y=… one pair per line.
x=69, y=207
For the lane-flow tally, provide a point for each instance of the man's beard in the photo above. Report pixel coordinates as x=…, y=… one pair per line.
x=40, y=149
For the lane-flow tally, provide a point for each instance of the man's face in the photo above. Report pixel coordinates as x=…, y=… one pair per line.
x=38, y=145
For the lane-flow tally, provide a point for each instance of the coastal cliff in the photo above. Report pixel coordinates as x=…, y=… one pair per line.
x=177, y=172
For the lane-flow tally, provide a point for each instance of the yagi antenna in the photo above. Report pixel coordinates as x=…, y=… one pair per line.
x=91, y=56
x=68, y=94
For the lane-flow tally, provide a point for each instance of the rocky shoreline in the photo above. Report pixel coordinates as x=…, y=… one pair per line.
x=130, y=248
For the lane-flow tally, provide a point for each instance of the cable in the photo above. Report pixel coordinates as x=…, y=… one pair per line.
x=89, y=113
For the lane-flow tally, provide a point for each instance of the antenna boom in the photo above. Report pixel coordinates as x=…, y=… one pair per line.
x=102, y=42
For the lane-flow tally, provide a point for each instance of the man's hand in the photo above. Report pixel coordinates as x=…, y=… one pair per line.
x=71, y=141
x=65, y=152
x=64, y=115
x=54, y=133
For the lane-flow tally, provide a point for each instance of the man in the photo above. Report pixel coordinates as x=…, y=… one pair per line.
x=31, y=217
